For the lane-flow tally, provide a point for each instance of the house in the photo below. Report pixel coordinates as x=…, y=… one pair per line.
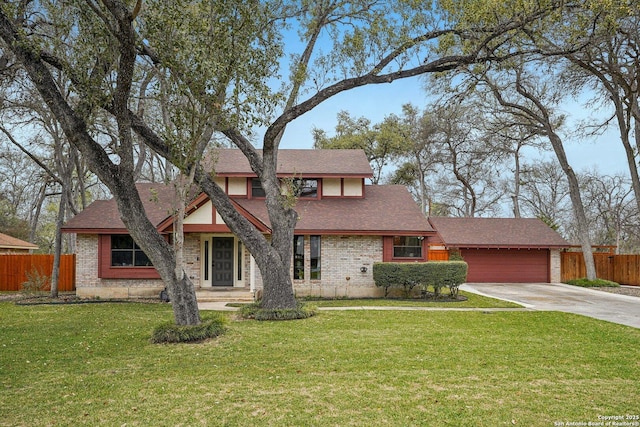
x=11, y=245
x=344, y=226
x=503, y=250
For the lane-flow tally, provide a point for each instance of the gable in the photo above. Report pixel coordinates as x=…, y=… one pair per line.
x=102, y=216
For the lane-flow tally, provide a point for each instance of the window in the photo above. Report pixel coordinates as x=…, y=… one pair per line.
x=298, y=257
x=256, y=188
x=206, y=260
x=315, y=258
x=240, y=258
x=306, y=188
x=407, y=247
x=126, y=253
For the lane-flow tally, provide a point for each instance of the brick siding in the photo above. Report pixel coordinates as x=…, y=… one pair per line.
x=342, y=258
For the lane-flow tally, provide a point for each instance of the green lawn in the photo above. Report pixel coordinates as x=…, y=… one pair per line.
x=473, y=300
x=93, y=364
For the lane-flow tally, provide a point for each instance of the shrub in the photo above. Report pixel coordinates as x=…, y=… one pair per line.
x=37, y=282
x=434, y=274
x=445, y=274
x=210, y=327
x=586, y=283
x=387, y=275
x=455, y=255
x=255, y=311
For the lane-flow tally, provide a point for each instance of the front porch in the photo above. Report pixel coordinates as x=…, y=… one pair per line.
x=225, y=294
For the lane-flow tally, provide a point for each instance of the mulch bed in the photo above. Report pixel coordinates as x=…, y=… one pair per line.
x=65, y=298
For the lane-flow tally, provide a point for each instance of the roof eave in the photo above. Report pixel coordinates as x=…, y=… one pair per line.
x=327, y=232
x=296, y=174
x=502, y=246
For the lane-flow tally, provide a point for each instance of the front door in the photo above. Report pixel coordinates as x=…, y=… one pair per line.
x=222, y=261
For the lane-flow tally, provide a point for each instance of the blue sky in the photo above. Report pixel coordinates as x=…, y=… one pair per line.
x=604, y=153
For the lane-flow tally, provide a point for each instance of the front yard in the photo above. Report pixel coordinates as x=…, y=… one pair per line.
x=94, y=365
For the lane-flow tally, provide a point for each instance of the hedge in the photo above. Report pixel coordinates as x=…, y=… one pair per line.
x=406, y=276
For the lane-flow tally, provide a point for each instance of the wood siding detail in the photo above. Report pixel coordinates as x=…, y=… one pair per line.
x=14, y=269
x=438, y=255
x=507, y=265
x=623, y=269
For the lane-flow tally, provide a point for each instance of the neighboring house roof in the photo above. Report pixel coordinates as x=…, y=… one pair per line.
x=385, y=209
x=8, y=242
x=307, y=163
x=516, y=233
x=102, y=216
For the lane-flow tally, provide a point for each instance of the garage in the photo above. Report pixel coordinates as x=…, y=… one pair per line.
x=507, y=265
x=503, y=250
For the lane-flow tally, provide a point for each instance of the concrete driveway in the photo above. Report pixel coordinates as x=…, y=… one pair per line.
x=615, y=308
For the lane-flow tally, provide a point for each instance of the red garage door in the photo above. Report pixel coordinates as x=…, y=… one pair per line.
x=507, y=265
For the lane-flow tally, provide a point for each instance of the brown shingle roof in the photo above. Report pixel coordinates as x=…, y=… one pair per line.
x=497, y=233
x=386, y=209
x=309, y=163
x=9, y=242
x=103, y=214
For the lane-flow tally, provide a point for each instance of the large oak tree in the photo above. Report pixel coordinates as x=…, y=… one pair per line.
x=237, y=65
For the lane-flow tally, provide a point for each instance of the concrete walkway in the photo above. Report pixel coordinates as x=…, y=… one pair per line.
x=615, y=308
x=222, y=306
x=622, y=309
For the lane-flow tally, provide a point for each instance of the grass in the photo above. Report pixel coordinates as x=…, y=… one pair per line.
x=597, y=283
x=94, y=365
x=473, y=300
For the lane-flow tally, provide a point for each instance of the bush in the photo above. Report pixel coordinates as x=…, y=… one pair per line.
x=445, y=274
x=255, y=311
x=598, y=283
x=212, y=326
x=434, y=274
x=37, y=282
x=387, y=275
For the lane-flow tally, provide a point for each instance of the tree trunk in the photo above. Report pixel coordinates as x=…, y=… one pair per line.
x=543, y=118
x=277, y=292
x=275, y=268
x=576, y=202
x=625, y=129
x=273, y=258
x=516, y=189
x=55, y=272
x=144, y=233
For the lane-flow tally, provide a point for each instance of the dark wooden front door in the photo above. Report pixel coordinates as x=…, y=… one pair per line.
x=222, y=261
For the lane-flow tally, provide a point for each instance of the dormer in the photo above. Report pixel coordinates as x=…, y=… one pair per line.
x=312, y=174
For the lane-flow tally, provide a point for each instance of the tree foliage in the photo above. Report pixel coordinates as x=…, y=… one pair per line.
x=169, y=76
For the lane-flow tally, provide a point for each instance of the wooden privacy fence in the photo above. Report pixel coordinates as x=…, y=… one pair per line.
x=624, y=269
x=14, y=270
x=438, y=255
